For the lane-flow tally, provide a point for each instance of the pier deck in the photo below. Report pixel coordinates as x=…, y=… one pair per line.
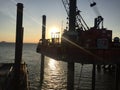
x=81, y=55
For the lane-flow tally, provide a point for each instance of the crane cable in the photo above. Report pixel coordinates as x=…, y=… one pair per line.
x=80, y=76
x=93, y=4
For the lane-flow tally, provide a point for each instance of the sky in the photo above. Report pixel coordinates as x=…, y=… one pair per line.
x=56, y=17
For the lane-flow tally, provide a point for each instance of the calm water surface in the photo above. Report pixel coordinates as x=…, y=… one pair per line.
x=55, y=76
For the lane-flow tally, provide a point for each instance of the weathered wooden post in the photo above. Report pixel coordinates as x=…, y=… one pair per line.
x=18, y=45
x=42, y=56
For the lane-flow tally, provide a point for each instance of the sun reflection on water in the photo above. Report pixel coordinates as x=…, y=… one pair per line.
x=55, y=75
x=52, y=64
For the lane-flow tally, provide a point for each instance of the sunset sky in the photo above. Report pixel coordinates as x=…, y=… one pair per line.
x=56, y=17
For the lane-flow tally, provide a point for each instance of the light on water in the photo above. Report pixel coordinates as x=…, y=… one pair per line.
x=55, y=75
x=52, y=64
x=55, y=72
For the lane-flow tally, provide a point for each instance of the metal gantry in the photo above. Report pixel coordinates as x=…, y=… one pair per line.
x=80, y=23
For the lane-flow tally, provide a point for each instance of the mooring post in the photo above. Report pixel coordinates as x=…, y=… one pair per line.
x=117, y=76
x=18, y=46
x=42, y=56
x=70, y=76
x=93, y=76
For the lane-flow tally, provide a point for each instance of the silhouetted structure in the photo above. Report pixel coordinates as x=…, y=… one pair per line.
x=14, y=75
x=92, y=46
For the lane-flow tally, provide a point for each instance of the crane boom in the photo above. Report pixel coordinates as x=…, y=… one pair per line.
x=80, y=23
x=66, y=6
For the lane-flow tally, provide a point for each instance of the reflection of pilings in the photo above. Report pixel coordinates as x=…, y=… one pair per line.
x=93, y=76
x=42, y=56
x=70, y=76
x=18, y=45
x=42, y=70
x=117, y=78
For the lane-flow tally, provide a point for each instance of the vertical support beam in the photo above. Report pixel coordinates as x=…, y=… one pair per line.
x=42, y=56
x=72, y=21
x=117, y=74
x=93, y=76
x=72, y=15
x=70, y=76
x=43, y=28
x=19, y=32
x=18, y=45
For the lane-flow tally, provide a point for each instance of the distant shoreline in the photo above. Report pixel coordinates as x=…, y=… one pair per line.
x=14, y=42
x=3, y=42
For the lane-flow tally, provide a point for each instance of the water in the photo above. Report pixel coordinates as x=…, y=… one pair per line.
x=7, y=55
x=55, y=76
